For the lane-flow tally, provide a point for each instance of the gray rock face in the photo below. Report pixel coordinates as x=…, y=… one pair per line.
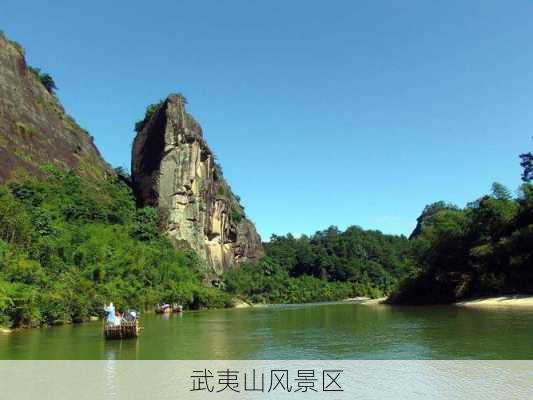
x=174, y=170
x=34, y=128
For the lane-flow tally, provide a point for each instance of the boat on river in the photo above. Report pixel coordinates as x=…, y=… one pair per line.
x=126, y=329
x=168, y=308
x=120, y=326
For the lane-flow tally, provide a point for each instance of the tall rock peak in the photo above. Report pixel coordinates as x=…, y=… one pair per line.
x=174, y=170
x=34, y=128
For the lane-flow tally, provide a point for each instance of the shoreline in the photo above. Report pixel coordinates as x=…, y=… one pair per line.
x=511, y=301
x=240, y=303
x=515, y=301
x=365, y=300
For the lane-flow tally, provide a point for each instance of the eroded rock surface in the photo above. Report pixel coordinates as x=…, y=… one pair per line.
x=34, y=128
x=174, y=170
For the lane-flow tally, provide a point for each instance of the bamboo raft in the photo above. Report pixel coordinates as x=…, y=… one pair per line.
x=168, y=309
x=126, y=329
x=161, y=310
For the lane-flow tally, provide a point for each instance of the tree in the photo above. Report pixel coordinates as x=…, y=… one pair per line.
x=48, y=82
x=123, y=175
x=355, y=256
x=146, y=221
x=428, y=213
x=482, y=250
x=46, y=79
x=150, y=110
x=500, y=192
x=527, y=165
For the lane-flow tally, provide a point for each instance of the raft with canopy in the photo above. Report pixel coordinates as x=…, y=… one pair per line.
x=120, y=326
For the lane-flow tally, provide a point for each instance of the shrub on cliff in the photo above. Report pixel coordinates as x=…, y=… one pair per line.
x=145, y=224
x=46, y=79
x=150, y=110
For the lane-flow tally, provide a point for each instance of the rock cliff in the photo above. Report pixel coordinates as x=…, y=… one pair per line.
x=174, y=170
x=34, y=128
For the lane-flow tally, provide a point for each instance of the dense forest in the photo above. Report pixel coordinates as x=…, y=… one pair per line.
x=453, y=253
x=68, y=244
x=484, y=249
x=330, y=265
x=355, y=255
x=269, y=282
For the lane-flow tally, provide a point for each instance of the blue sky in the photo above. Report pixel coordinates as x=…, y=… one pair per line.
x=321, y=112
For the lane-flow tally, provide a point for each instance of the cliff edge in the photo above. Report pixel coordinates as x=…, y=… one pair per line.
x=34, y=128
x=174, y=170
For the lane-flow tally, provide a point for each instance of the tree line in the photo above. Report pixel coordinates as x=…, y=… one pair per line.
x=483, y=249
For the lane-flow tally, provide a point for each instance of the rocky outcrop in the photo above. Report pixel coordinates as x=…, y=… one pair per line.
x=34, y=128
x=174, y=170
x=428, y=214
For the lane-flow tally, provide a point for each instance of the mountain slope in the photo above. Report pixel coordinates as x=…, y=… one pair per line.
x=34, y=128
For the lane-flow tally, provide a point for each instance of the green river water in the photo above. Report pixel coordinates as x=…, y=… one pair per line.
x=315, y=331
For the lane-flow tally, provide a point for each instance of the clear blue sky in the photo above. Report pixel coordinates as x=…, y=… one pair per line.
x=321, y=112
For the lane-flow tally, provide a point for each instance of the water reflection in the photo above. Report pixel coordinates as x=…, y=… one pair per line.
x=120, y=349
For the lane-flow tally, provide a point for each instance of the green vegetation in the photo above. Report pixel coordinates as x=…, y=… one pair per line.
x=527, y=164
x=150, y=110
x=24, y=129
x=218, y=169
x=69, y=122
x=484, y=249
x=267, y=282
x=15, y=44
x=46, y=79
x=330, y=265
x=236, y=216
x=355, y=255
x=481, y=250
x=429, y=211
x=68, y=245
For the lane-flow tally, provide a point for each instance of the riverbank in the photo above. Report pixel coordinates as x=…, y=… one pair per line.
x=241, y=303
x=516, y=300
x=365, y=300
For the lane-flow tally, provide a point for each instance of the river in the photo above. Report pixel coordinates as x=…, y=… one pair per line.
x=313, y=331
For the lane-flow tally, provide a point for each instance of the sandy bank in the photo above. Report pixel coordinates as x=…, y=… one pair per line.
x=365, y=300
x=515, y=300
x=5, y=330
x=239, y=303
